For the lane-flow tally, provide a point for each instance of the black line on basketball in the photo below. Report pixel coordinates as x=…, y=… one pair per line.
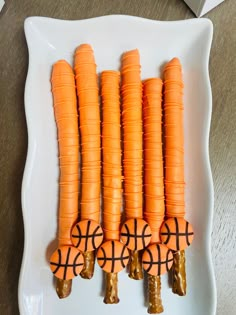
x=122, y=258
x=158, y=259
x=59, y=262
x=93, y=237
x=112, y=256
x=151, y=259
x=135, y=234
x=79, y=232
x=168, y=260
x=177, y=233
x=168, y=231
x=186, y=231
x=67, y=260
x=74, y=265
x=87, y=233
x=128, y=235
x=104, y=257
x=143, y=235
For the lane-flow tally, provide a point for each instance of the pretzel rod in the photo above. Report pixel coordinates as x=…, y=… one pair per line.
x=112, y=172
x=66, y=116
x=89, y=114
x=132, y=232
x=174, y=174
x=154, y=208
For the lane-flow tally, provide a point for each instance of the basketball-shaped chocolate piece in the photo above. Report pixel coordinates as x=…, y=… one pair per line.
x=176, y=233
x=66, y=262
x=87, y=235
x=157, y=259
x=112, y=256
x=136, y=234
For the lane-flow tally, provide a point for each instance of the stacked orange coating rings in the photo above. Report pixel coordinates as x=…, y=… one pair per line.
x=154, y=209
x=176, y=233
x=89, y=117
x=66, y=262
x=135, y=233
x=111, y=148
x=174, y=139
x=133, y=133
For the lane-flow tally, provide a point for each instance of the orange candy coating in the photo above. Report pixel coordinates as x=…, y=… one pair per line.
x=157, y=259
x=176, y=233
x=112, y=256
x=66, y=262
x=87, y=235
x=136, y=234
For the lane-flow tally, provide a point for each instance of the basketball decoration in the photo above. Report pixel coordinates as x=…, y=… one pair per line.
x=136, y=234
x=157, y=259
x=66, y=262
x=87, y=235
x=176, y=233
x=112, y=256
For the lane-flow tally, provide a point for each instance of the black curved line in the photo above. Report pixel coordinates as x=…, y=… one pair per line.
x=104, y=257
x=177, y=233
x=74, y=264
x=87, y=233
x=186, y=231
x=151, y=260
x=66, y=263
x=143, y=235
x=112, y=256
x=122, y=257
x=135, y=234
x=158, y=259
x=59, y=262
x=79, y=232
x=168, y=231
x=93, y=237
x=128, y=235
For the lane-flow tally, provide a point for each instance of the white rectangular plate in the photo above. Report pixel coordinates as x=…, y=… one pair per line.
x=49, y=40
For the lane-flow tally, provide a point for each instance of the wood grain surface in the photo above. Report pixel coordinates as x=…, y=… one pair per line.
x=13, y=132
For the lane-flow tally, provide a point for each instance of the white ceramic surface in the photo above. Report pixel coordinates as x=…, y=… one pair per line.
x=49, y=40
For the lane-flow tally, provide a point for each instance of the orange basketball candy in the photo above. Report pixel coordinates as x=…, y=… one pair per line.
x=87, y=235
x=112, y=256
x=176, y=233
x=157, y=259
x=66, y=262
x=136, y=234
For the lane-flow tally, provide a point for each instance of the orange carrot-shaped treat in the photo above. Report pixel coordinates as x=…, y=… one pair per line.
x=135, y=233
x=176, y=233
x=112, y=255
x=85, y=233
x=67, y=261
x=157, y=258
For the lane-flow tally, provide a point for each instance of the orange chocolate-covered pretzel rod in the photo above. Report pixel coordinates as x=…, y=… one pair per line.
x=135, y=232
x=89, y=114
x=176, y=233
x=112, y=182
x=154, y=205
x=66, y=116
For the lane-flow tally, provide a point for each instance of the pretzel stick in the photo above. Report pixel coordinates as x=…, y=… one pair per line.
x=87, y=90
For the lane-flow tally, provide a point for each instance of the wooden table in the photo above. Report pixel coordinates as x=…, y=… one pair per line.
x=13, y=132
